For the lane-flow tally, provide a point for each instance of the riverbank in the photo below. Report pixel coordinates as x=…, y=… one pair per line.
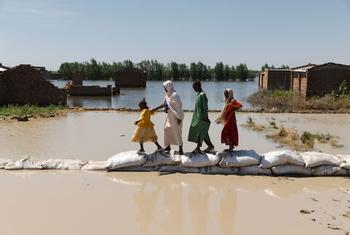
x=26, y=112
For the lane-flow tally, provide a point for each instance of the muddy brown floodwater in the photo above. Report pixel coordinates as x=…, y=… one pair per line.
x=99, y=135
x=74, y=202
x=52, y=202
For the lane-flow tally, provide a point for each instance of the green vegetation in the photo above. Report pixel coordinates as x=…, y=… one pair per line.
x=266, y=66
x=11, y=111
x=287, y=101
x=94, y=70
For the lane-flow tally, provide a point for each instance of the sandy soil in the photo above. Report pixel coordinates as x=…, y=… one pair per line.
x=148, y=203
x=99, y=135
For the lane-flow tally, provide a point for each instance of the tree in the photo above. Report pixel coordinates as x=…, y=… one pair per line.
x=242, y=71
x=174, y=70
x=219, y=71
x=193, y=71
x=227, y=72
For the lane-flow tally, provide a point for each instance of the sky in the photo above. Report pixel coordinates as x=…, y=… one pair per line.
x=48, y=33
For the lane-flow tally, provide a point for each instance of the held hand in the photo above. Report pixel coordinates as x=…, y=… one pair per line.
x=179, y=121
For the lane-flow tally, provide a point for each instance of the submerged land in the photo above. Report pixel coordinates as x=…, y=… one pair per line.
x=90, y=203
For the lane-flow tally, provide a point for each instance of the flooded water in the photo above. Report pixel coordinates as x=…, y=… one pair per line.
x=99, y=135
x=71, y=203
x=154, y=94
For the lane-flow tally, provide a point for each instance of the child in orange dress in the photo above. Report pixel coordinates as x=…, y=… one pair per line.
x=145, y=128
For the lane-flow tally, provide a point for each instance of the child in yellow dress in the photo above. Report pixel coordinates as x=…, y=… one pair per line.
x=145, y=128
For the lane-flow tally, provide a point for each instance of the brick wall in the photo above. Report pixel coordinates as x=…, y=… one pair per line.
x=277, y=79
x=26, y=85
x=327, y=78
x=131, y=78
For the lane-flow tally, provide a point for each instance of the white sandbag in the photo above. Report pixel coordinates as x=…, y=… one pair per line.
x=281, y=157
x=16, y=165
x=328, y=170
x=254, y=170
x=344, y=161
x=239, y=158
x=313, y=159
x=215, y=170
x=159, y=158
x=138, y=169
x=62, y=164
x=120, y=160
x=292, y=170
x=178, y=169
x=3, y=162
x=199, y=159
x=32, y=164
x=94, y=166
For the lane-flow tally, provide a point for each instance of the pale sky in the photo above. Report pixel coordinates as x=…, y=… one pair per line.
x=255, y=32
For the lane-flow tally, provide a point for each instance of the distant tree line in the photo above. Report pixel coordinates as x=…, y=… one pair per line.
x=93, y=70
x=266, y=66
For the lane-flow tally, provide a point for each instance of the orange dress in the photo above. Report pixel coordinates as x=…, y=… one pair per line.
x=145, y=128
x=229, y=134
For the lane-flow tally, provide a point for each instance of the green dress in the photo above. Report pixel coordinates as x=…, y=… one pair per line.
x=200, y=122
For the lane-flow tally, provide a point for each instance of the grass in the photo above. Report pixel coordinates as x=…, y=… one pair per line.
x=21, y=110
x=290, y=137
x=287, y=101
x=250, y=124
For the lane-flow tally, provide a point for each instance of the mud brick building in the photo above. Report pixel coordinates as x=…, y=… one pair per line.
x=25, y=84
x=307, y=80
x=318, y=80
x=275, y=79
x=132, y=77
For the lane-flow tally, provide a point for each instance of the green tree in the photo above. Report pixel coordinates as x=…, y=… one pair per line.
x=219, y=71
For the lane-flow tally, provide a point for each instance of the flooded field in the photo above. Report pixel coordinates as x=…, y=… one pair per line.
x=99, y=135
x=148, y=203
x=151, y=203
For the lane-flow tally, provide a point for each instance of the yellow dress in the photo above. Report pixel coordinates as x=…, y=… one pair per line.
x=145, y=128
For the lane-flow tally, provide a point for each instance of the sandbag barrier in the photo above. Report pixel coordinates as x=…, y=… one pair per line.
x=239, y=162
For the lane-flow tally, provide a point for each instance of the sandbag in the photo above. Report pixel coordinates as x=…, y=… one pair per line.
x=199, y=159
x=215, y=170
x=254, y=170
x=292, y=170
x=62, y=164
x=344, y=161
x=313, y=159
x=178, y=169
x=328, y=170
x=32, y=164
x=16, y=165
x=126, y=159
x=137, y=169
x=94, y=166
x=281, y=157
x=3, y=162
x=159, y=158
x=239, y=158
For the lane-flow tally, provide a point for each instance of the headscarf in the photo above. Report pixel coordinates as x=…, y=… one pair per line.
x=221, y=118
x=173, y=100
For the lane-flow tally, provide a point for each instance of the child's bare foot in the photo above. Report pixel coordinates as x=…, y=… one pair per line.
x=141, y=151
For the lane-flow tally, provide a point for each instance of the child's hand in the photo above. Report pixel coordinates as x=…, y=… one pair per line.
x=179, y=121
